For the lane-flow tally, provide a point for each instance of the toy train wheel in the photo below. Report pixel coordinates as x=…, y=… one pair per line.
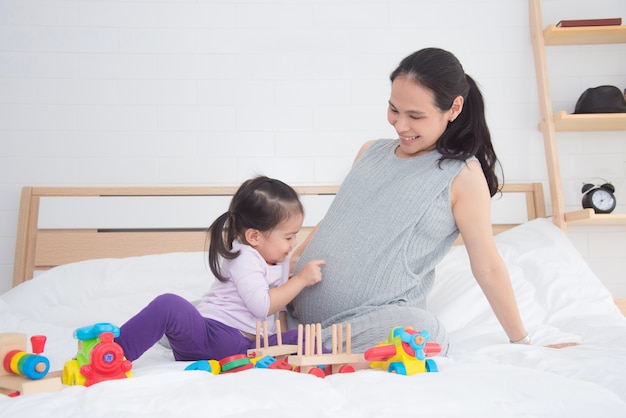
x=431, y=366
x=397, y=368
x=346, y=368
x=316, y=371
x=71, y=374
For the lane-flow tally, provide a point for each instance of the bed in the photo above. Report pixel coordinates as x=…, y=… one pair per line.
x=97, y=270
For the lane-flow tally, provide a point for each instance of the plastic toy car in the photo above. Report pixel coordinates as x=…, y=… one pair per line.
x=404, y=352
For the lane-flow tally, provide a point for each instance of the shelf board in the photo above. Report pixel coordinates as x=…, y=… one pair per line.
x=584, y=35
x=589, y=217
x=564, y=121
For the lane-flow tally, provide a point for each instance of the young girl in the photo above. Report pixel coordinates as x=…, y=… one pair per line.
x=248, y=254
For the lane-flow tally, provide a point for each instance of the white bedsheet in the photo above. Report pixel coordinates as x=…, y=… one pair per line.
x=484, y=376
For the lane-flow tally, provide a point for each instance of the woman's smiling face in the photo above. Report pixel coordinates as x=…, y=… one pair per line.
x=418, y=122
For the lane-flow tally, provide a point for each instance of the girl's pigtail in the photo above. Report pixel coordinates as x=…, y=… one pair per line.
x=222, y=234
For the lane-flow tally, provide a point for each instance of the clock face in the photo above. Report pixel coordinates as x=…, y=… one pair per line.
x=602, y=200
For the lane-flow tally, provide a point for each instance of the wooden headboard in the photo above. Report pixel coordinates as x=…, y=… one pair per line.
x=60, y=225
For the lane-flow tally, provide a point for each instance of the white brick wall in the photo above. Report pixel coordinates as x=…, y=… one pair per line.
x=125, y=92
x=605, y=250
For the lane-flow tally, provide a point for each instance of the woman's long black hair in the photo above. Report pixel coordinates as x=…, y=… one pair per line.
x=442, y=73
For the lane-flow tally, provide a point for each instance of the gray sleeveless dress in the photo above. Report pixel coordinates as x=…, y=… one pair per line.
x=388, y=227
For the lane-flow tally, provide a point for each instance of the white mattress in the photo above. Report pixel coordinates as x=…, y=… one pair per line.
x=484, y=376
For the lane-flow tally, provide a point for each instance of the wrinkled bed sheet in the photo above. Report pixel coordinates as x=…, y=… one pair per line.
x=560, y=300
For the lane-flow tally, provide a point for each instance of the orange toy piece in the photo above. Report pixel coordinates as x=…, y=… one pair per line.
x=107, y=361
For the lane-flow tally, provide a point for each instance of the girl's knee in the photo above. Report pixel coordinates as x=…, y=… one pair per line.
x=169, y=299
x=170, y=303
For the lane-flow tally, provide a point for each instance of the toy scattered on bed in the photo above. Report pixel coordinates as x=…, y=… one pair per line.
x=305, y=357
x=237, y=363
x=24, y=372
x=310, y=358
x=99, y=358
x=404, y=352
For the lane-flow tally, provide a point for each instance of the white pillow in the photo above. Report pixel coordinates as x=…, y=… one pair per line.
x=107, y=290
x=555, y=290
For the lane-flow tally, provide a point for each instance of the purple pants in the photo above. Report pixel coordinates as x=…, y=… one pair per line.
x=191, y=336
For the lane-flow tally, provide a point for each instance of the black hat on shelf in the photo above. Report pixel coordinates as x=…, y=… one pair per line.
x=601, y=99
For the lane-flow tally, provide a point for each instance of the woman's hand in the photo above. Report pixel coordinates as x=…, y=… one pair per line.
x=562, y=345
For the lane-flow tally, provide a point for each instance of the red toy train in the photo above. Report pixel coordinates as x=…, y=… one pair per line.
x=99, y=358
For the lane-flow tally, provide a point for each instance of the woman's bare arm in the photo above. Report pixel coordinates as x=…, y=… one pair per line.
x=471, y=206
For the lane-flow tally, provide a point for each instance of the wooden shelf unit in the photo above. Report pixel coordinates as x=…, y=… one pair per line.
x=584, y=35
x=562, y=121
x=589, y=217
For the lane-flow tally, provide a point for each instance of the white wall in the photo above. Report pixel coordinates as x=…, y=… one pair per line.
x=124, y=92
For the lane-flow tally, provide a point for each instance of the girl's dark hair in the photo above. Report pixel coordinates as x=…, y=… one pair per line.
x=260, y=203
x=442, y=73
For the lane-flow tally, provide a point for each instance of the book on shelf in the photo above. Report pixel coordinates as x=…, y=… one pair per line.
x=614, y=21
